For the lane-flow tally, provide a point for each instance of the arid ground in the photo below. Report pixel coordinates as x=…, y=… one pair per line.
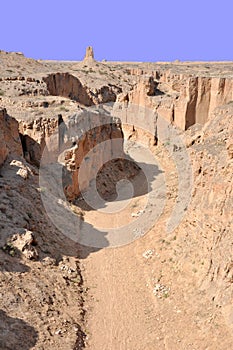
x=142, y=287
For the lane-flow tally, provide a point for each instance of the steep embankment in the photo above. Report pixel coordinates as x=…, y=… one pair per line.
x=42, y=292
x=9, y=136
x=183, y=98
x=67, y=85
x=172, y=291
x=210, y=218
x=167, y=291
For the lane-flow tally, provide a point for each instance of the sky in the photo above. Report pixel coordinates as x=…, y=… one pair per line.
x=120, y=30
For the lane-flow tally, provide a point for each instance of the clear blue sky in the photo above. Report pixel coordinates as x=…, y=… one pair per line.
x=128, y=30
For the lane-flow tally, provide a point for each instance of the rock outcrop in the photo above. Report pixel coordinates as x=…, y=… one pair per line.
x=100, y=131
x=9, y=137
x=195, y=260
x=104, y=94
x=198, y=97
x=209, y=222
x=185, y=99
x=142, y=91
x=67, y=85
x=25, y=243
x=71, y=144
x=89, y=56
x=38, y=134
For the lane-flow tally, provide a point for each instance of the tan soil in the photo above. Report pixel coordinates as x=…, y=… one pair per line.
x=161, y=291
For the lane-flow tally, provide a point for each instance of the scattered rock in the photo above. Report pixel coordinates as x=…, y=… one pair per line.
x=148, y=254
x=25, y=243
x=161, y=291
x=137, y=232
x=23, y=173
x=48, y=261
x=136, y=215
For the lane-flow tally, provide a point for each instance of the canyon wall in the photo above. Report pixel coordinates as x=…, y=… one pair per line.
x=70, y=144
x=150, y=98
x=9, y=137
x=70, y=86
x=182, y=99
x=38, y=136
x=96, y=138
x=209, y=223
x=67, y=85
x=198, y=97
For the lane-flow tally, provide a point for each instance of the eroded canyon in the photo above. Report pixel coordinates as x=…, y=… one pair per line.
x=161, y=290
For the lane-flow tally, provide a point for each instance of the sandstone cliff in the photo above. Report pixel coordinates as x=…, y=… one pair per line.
x=65, y=84
x=51, y=101
x=100, y=131
x=39, y=134
x=208, y=225
x=213, y=167
x=9, y=137
x=182, y=98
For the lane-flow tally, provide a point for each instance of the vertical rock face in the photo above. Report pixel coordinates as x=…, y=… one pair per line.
x=100, y=131
x=190, y=99
x=38, y=134
x=73, y=144
x=141, y=93
x=65, y=84
x=9, y=136
x=89, y=56
x=139, y=108
x=211, y=213
x=198, y=97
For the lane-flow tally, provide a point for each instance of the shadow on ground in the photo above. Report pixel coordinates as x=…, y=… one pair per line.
x=16, y=333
